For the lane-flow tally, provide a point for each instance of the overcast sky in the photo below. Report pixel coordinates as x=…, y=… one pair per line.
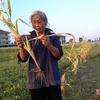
x=78, y=17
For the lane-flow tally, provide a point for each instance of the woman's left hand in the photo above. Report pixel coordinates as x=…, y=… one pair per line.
x=46, y=41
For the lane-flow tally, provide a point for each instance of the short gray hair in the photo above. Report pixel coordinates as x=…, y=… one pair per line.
x=42, y=14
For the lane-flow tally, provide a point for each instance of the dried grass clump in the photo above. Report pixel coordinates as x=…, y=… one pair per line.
x=76, y=56
x=40, y=77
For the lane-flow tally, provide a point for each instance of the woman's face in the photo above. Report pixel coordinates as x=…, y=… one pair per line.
x=38, y=24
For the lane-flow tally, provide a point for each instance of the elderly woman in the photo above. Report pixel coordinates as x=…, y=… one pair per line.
x=47, y=52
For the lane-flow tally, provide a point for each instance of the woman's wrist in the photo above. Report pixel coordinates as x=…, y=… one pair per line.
x=21, y=47
x=49, y=46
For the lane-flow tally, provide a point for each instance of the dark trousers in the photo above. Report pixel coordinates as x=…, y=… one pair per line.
x=52, y=93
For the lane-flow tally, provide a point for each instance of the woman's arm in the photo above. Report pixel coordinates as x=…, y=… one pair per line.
x=55, y=51
x=21, y=46
x=46, y=41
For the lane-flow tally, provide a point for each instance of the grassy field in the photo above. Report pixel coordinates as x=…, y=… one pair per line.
x=84, y=83
x=12, y=78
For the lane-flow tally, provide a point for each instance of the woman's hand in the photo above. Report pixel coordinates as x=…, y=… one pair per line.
x=19, y=42
x=46, y=41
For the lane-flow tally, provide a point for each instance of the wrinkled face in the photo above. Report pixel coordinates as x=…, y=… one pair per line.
x=38, y=24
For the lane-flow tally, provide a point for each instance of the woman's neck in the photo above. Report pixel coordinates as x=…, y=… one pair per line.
x=41, y=34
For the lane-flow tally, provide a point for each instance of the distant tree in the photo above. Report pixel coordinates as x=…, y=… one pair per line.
x=89, y=40
x=71, y=40
x=80, y=39
x=99, y=38
x=15, y=43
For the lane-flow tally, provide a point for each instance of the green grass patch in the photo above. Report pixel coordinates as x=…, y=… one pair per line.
x=8, y=54
x=12, y=78
x=87, y=78
x=13, y=81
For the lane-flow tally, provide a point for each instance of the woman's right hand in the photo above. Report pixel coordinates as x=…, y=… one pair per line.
x=19, y=42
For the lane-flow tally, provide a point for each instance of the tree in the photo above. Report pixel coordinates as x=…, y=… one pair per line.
x=80, y=39
x=89, y=40
x=71, y=40
x=99, y=38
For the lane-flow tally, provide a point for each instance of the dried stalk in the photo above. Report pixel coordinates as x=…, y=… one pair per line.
x=57, y=34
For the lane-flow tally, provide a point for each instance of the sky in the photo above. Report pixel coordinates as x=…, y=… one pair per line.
x=78, y=17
